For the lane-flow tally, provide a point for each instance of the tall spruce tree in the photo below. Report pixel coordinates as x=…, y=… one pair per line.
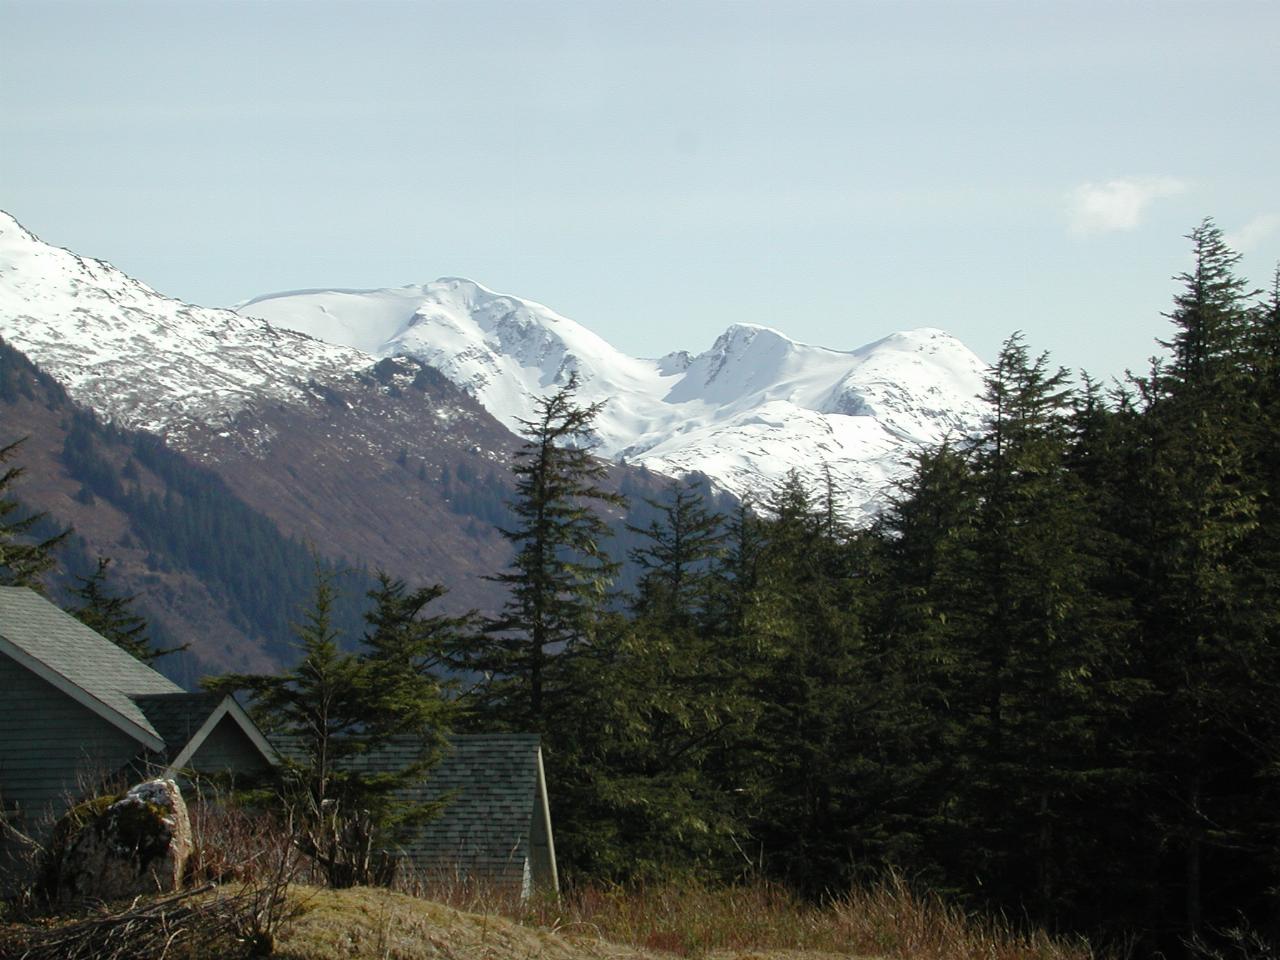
x=667, y=700
x=805, y=615
x=677, y=558
x=923, y=548
x=1035, y=651
x=334, y=711
x=1257, y=717
x=736, y=575
x=407, y=689
x=560, y=573
x=1200, y=504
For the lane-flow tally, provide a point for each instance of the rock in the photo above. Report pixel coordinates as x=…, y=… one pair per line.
x=115, y=848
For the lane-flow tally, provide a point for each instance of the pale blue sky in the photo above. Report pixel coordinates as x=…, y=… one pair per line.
x=660, y=170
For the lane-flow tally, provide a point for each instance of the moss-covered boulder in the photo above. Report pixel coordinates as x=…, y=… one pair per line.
x=113, y=848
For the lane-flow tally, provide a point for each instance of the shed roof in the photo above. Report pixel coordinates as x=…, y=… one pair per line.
x=491, y=781
x=491, y=785
x=80, y=662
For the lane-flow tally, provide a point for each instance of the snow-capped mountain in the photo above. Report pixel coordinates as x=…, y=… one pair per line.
x=377, y=464
x=744, y=412
x=143, y=359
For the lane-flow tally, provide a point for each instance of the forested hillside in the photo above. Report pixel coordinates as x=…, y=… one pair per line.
x=221, y=553
x=208, y=570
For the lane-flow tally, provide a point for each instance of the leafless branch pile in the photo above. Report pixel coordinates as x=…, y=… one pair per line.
x=191, y=923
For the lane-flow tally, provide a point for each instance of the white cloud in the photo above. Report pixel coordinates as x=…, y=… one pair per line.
x=1117, y=204
x=1253, y=232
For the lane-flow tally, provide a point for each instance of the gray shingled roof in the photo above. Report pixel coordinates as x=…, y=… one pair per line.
x=80, y=656
x=177, y=717
x=489, y=783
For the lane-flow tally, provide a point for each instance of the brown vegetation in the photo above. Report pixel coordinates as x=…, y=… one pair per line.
x=747, y=923
x=692, y=919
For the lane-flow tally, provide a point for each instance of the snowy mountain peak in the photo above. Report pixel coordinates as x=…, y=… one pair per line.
x=752, y=406
x=12, y=231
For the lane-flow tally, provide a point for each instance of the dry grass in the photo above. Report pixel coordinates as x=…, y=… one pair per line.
x=749, y=923
x=253, y=856
x=694, y=920
x=374, y=924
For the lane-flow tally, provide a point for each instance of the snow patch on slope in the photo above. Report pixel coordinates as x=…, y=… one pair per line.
x=143, y=359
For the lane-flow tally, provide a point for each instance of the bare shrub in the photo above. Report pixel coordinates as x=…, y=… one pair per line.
x=242, y=868
x=190, y=924
x=240, y=841
x=1238, y=942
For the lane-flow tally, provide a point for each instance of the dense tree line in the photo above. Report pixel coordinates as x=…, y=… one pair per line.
x=1044, y=680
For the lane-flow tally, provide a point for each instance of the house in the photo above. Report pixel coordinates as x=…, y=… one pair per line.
x=78, y=712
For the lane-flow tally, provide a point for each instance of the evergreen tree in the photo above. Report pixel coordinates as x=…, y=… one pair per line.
x=736, y=575
x=560, y=572
x=805, y=618
x=922, y=550
x=1256, y=708
x=1035, y=645
x=632, y=757
x=656, y=699
x=1199, y=621
x=677, y=557
x=334, y=711
x=112, y=616
x=405, y=656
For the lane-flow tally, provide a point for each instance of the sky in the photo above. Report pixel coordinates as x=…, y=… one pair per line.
x=658, y=170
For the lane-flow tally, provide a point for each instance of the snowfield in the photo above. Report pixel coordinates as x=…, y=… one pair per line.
x=142, y=359
x=744, y=412
x=751, y=407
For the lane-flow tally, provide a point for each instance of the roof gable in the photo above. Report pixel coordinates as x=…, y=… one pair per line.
x=81, y=663
x=185, y=720
x=177, y=717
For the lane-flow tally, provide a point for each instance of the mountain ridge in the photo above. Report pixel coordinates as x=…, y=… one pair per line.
x=752, y=406
x=747, y=410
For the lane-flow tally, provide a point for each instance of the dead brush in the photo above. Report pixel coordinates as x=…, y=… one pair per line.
x=239, y=878
x=233, y=841
x=189, y=925
x=461, y=891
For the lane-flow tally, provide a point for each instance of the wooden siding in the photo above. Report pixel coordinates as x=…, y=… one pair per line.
x=228, y=749
x=52, y=748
